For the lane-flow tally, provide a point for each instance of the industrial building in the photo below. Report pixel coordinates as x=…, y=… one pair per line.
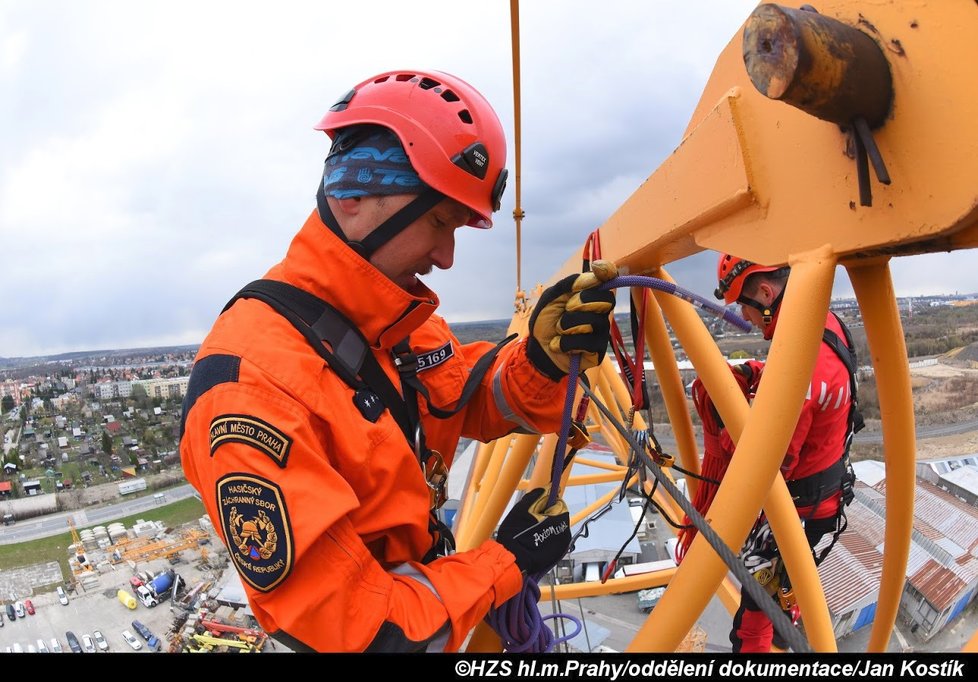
x=942, y=569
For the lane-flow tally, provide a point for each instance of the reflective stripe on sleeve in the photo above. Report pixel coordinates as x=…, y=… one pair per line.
x=503, y=406
x=440, y=638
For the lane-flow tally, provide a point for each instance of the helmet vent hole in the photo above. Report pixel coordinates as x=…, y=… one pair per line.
x=449, y=96
x=465, y=116
x=428, y=83
x=404, y=76
x=381, y=80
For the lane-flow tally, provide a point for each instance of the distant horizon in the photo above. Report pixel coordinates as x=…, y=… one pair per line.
x=64, y=355
x=60, y=356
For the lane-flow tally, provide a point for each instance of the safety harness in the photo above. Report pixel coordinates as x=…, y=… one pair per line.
x=811, y=490
x=342, y=345
x=760, y=553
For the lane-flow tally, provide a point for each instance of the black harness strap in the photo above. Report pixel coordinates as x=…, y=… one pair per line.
x=809, y=491
x=847, y=354
x=407, y=363
x=347, y=352
x=336, y=340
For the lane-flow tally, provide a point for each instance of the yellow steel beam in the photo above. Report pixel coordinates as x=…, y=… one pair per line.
x=750, y=476
x=597, y=464
x=669, y=506
x=874, y=291
x=598, y=503
x=629, y=583
x=498, y=495
x=673, y=391
x=590, y=479
x=467, y=509
x=769, y=182
x=762, y=179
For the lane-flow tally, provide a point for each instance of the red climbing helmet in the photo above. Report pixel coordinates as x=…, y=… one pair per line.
x=449, y=131
x=732, y=272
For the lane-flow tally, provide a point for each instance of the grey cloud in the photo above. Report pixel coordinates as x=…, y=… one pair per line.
x=156, y=158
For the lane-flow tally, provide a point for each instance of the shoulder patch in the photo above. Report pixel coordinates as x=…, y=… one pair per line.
x=257, y=529
x=433, y=358
x=242, y=428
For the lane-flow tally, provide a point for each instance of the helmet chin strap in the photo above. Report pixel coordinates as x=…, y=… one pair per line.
x=387, y=230
x=767, y=311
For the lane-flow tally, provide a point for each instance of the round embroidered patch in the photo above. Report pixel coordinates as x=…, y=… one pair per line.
x=257, y=529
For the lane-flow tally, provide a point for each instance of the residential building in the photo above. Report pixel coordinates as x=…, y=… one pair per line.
x=165, y=388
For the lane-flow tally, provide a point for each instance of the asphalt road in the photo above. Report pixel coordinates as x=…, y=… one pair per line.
x=923, y=432
x=54, y=524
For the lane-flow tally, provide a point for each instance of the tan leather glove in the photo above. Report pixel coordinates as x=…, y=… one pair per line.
x=572, y=317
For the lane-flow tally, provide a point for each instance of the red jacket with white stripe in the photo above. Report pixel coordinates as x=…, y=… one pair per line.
x=819, y=437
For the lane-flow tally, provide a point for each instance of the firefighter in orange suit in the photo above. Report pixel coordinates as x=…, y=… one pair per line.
x=323, y=482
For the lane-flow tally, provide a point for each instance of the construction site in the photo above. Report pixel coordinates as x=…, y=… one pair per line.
x=142, y=589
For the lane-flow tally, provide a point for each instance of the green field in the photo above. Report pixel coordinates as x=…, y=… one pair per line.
x=55, y=548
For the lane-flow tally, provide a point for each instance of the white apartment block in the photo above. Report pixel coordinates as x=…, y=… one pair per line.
x=113, y=389
x=165, y=388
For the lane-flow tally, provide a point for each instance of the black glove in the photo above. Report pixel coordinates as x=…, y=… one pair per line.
x=571, y=317
x=537, y=537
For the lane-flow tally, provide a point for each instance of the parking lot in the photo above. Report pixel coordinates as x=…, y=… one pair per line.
x=96, y=609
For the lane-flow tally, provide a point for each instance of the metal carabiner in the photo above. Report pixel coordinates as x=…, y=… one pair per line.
x=436, y=478
x=434, y=470
x=417, y=444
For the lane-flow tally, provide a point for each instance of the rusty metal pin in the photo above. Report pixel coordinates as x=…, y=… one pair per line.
x=818, y=64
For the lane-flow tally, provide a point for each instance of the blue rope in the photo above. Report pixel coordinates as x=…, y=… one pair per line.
x=518, y=621
x=709, y=306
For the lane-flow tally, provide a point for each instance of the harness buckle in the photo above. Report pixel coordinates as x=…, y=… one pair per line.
x=786, y=596
x=407, y=363
x=848, y=484
x=436, y=478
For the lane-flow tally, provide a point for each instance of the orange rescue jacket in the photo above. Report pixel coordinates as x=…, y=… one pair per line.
x=325, y=514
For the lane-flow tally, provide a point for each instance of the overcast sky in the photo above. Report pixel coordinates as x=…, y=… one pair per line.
x=155, y=156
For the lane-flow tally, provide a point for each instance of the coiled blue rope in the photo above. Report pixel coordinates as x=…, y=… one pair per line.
x=518, y=621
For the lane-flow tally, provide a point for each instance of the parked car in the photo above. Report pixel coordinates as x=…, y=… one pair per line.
x=73, y=642
x=88, y=644
x=19, y=608
x=29, y=606
x=1, y=619
x=42, y=647
x=152, y=641
x=141, y=629
x=100, y=641
x=131, y=640
x=31, y=649
x=11, y=614
x=18, y=649
x=56, y=646
x=62, y=596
